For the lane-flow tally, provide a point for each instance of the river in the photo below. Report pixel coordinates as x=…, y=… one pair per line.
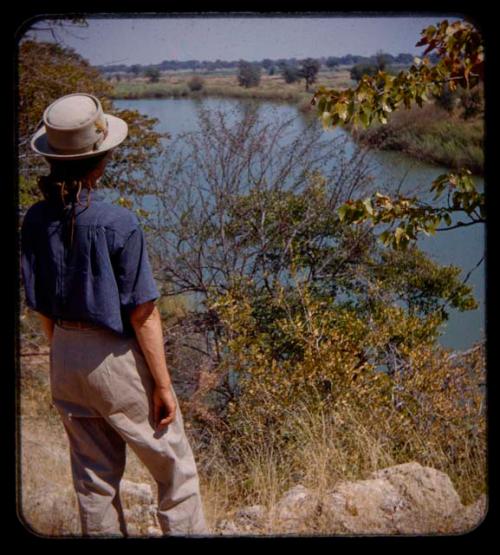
x=461, y=247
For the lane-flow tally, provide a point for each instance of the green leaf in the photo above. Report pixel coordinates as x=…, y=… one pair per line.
x=342, y=212
x=367, y=202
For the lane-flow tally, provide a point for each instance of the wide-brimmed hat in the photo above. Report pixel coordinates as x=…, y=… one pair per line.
x=76, y=127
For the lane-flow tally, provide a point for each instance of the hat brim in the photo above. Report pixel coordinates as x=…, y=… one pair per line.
x=117, y=132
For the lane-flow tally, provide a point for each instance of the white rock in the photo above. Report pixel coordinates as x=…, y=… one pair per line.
x=252, y=513
x=296, y=504
x=136, y=492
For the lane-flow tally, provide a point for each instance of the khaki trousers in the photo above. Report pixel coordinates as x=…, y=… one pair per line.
x=102, y=388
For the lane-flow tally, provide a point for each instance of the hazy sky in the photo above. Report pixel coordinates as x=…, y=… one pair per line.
x=145, y=41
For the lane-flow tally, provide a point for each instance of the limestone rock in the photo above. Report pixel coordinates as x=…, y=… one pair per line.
x=294, y=507
x=364, y=507
x=403, y=499
x=226, y=527
x=133, y=492
x=425, y=489
x=471, y=516
x=253, y=513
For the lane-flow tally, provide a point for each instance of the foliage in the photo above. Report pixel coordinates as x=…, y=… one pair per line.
x=196, y=83
x=472, y=101
x=153, y=74
x=248, y=74
x=332, y=62
x=429, y=134
x=290, y=73
x=309, y=71
x=461, y=64
x=419, y=216
x=48, y=71
x=446, y=98
x=359, y=70
x=383, y=366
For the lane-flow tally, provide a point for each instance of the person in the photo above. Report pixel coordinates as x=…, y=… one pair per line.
x=86, y=273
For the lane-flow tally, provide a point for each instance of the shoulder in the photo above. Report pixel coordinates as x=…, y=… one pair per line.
x=117, y=218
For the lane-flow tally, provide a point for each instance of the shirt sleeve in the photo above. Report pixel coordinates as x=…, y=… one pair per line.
x=134, y=276
x=28, y=264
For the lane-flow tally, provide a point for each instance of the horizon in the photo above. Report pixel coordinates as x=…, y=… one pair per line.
x=107, y=41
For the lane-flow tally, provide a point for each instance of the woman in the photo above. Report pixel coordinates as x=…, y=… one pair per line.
x=86, y=273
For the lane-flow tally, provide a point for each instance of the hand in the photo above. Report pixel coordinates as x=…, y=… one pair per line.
x=165, y=405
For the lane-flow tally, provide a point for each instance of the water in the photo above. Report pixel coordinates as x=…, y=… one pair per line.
x=461, y=247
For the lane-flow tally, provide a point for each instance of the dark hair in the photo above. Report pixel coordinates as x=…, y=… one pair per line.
x=66, y=179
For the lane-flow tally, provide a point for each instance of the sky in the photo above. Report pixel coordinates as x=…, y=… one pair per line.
x=125, y=40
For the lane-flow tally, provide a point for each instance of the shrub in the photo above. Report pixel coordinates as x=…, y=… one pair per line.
x=358, y=70
x=248, y=74
x=196, y=83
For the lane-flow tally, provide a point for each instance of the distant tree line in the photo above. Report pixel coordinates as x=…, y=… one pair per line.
x=267, y=64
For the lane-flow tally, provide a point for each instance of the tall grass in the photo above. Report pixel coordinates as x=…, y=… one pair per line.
x=430, y=133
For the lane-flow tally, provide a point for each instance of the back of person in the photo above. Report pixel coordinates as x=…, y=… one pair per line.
x=96, y=278
x=87, y=275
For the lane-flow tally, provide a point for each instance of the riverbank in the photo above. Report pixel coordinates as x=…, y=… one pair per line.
x=432, y=135
x=429, y=134
x=271, y=87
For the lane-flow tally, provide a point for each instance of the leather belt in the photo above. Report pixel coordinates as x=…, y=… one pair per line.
x=76, y=324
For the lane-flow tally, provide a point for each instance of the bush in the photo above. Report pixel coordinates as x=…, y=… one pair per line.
x=248, y=74
x=447, y=99
x=358, y=70
x=472, y=101
x=196, y=83
x=291, y=74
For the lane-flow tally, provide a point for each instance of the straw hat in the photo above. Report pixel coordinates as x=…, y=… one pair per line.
x=76, y=127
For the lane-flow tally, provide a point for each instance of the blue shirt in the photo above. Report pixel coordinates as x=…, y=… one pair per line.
x=101, y=278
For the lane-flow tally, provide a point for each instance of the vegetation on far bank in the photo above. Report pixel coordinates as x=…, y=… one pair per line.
x=271, y=87
x=432, y=135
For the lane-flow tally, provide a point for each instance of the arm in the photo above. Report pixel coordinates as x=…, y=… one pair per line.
x=146, y=321
x=47, y=325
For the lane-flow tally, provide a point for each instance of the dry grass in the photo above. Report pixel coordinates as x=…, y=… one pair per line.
x=271, y=87
x=328, y=446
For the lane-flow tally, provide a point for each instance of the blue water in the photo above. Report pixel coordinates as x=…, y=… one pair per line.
x=461, y=247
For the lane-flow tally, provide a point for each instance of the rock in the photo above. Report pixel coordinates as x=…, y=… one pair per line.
x=297, y=504
x=403, y=499
x=253, y=513
x=424, y=488
x=154, y=531
x=133, y=492
x=470, y=516
x=365, y=506
x=226, y=527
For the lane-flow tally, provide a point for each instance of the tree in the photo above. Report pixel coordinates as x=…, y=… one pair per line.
x=360, y=70
x=459, y=65
x=248, y=74
x=153, y=74
x=292, y=299
x=135, y=69
x=382, y=60
x=290, y=73
x=309, y=70
x=267, y=63
x=332, y=62
x=196, y=83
